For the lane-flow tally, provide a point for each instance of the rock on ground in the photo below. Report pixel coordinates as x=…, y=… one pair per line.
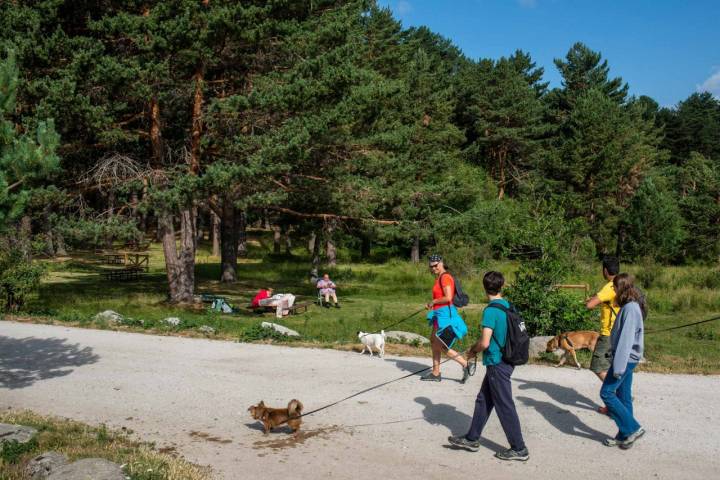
x=408, y=337
x=173, y=321
x=279, y=328
x=19, y=433
x=206, y=329
x=88, y=468
x=40, y=467
x=109, y=316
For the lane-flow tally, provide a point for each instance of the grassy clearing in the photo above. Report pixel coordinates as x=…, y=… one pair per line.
x=372, y=294
x=76, y=440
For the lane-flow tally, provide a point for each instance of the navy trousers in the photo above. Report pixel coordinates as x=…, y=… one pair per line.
x=496, y=392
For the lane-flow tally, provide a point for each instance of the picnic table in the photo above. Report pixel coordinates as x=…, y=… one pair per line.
x=138, y=260
x=129, y=273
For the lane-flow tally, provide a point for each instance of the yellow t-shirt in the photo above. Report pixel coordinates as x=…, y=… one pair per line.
x=607, y=317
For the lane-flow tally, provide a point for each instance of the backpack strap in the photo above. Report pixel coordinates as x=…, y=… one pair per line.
x=505, y=309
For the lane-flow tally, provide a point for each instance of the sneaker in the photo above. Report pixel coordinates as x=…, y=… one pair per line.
x=628, y=442
x=510, y=454
x=602, y=410
x=326, y=305
x=429, y=377
x=612, y=442
x=466, y=374
x=462, y=442
x=337, y=305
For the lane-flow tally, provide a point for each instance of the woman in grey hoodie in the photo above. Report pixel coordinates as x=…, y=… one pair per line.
x=627, y=343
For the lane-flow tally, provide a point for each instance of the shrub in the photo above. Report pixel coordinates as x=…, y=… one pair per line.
x=258, y=332
x=12, y=451
x=18, y=279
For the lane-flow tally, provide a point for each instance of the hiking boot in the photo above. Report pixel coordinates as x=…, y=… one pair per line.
x=602, y=410
x=462, y=442
x=510, y=454
x=337, y=305
x=628, y=442
x=466, y=374
x=429, y=377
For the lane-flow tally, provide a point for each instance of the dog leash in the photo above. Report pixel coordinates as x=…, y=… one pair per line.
x=396, y=323
x=713, y=319
x=374, y=387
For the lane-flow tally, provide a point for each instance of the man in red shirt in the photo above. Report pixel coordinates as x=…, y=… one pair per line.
x=261, y=295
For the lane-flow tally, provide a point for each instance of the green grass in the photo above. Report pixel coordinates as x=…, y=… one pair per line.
x=373, y=294
x=77, y=440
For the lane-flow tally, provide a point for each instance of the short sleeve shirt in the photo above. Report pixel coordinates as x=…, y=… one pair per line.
x=607, y=296
x=495, y=319
x=437, y=291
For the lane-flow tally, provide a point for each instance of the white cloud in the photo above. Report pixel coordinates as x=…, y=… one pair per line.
x=712, y=84
x=528, y=3
x=404, y=7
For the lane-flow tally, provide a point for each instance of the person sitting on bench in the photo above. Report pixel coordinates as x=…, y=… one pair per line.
x=327, y=290
x=281, y=301
x=262, y=294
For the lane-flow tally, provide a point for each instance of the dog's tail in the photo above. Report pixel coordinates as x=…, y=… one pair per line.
x=295, y=408
x=382, y=333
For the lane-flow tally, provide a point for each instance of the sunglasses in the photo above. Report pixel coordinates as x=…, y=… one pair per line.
x=434, y=265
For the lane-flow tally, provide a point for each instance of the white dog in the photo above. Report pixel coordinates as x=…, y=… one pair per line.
x=373, y=340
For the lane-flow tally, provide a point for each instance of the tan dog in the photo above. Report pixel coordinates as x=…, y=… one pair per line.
x=571, y=341
x=273, y=417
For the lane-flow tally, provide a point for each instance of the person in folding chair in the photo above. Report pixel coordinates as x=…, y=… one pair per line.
x=447, y=324
x=326, y=290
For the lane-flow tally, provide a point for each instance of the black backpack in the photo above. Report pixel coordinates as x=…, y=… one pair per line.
x=517, y=341
x=460, y=299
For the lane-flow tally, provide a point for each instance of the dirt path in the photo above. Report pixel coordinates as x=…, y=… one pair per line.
x=191, y=395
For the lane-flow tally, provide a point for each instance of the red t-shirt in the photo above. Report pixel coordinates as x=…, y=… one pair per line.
x=437, y=291
x=262, y=295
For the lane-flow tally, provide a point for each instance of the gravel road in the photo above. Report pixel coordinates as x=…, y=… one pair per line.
x=192, y=395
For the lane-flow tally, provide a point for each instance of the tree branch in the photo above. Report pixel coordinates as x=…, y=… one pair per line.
x=326, y=216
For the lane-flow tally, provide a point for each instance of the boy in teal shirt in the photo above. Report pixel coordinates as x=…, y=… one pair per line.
x=496, y=390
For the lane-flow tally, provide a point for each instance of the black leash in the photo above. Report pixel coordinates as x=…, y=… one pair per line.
x=713, y=319
x=396, y=323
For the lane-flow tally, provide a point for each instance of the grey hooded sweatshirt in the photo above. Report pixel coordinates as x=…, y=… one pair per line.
x=627, y=337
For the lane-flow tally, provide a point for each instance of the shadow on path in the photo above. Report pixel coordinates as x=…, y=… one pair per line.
x=410, y=366
x=454, y=420
x=564, y=420
x=565, y=395
x=24, y=361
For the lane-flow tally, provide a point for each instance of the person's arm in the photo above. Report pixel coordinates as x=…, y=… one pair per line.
x=592, y=302
x=483, y=342
x=626, y=337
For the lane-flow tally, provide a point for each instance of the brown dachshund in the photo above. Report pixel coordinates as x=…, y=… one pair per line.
x=571, y=341
x=273, y=417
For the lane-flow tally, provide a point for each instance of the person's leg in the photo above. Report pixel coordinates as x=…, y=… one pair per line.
x=501, y=390
x=290, y=299
x=457, y=357
x=483, y=407
x=624, y=394
x=436, y=352
x=616, y=409
x=334, y=297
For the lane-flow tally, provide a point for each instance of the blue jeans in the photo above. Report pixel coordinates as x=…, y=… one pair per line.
x=496, y=392
x=617, y=395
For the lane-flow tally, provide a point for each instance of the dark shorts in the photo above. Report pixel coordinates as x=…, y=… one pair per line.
x=601, y=357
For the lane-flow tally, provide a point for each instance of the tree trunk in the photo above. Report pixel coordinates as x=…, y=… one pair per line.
x=265, y=219
x=415, y=250
x=60, y=249
x=196, y=122
x=241, y=227
x=315, y=262
x=111, y=213
x=180, y=266
x=229, y=242
x=330, y=250
x=49, y=243
x=276, y=239
x=24, y=237
x=365, y=247
x=286, y=238
x=501, y=189
x=215, y=234
x=311, y=243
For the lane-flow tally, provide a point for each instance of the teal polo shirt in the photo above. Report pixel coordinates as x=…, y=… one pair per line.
x=497, y=320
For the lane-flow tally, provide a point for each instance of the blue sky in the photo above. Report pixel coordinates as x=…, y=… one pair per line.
x=666, y=49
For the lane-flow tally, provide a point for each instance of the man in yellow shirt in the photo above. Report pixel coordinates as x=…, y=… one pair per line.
x=605, y=298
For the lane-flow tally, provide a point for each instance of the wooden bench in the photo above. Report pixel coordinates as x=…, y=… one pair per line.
x=298, y=308
x=131, y=273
